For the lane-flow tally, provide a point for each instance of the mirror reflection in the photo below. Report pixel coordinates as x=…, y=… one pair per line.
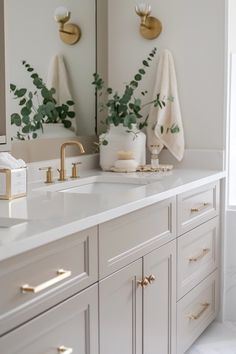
x=50, y=61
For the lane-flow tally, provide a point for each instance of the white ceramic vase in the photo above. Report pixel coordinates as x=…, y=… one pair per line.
x=120, y=140
x=55, y=130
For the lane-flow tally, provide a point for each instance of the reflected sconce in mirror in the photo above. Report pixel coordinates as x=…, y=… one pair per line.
x=150, y=27
x=70, y=33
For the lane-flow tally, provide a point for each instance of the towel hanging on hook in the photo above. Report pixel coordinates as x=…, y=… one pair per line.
x=165, y=127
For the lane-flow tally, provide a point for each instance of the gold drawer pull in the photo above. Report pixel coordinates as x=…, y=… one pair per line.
x=143, y=283
x=61, y=275
x=64, y=350
x=197, y=316
x=151, y=278
x=199, y=208
x=205, y=251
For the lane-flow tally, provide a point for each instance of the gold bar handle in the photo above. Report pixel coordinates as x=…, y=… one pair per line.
x=205, y=251
x=61, y=275
x=200, y=313
x=200, y=207
x=64, y=350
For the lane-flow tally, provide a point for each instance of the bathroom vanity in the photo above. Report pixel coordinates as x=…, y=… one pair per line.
x=134, y=272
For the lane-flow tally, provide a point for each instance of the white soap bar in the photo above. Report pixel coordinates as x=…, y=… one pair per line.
x=129, y=165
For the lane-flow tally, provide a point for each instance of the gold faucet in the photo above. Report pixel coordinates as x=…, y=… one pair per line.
x=62, y=170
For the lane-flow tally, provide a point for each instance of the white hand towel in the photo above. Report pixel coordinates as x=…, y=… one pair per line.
x=58, y=79
x=8, y=161
x=162, y=121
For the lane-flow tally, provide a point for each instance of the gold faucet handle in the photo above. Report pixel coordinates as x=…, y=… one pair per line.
x=49, y=174
x=75, y=170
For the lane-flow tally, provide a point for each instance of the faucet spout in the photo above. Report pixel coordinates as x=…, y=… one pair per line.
x=62, y=170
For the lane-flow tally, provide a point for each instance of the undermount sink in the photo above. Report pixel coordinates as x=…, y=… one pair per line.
x=99, y=184
x=102, y=185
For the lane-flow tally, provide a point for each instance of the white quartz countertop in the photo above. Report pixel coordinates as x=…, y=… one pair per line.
x=51, y=215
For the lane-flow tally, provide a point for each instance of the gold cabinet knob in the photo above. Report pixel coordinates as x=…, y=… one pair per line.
x=75, y=169
x=151, y=278
x=49, y=176
x=64, y=350
x=143, y=283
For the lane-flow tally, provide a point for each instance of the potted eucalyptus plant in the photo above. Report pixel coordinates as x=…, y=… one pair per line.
x=124, y=117
x=38, y=108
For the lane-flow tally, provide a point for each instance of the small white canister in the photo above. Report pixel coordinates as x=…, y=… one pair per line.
x=13, y=183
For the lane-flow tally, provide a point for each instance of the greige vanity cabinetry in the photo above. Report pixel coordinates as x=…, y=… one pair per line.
x=70, y=327
x=197, y=263
x=143, y=283
x=49, y=275
x=137, y=308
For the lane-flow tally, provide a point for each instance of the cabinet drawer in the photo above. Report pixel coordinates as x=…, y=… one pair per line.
x=197, y=206
x=41, y=269
x=196, y=311
x=72, y=324
x=198, y=255
x=123, y=240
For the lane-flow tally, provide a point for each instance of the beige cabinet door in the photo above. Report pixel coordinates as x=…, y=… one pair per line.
x=120, y=311
x=160, y=301
x=71, y=327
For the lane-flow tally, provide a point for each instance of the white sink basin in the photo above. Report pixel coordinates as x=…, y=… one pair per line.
x=101, y=185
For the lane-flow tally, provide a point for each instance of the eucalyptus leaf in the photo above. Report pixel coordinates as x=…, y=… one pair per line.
x=26, y=129
x=142, y=71
x=16, y=119
x=26, y=120
x=138, y=77
x=21, y=92
x=71, y=114
x=25, y=111
x=67, y=123
x=22, y=102
x=104, y=142
x=12, y=87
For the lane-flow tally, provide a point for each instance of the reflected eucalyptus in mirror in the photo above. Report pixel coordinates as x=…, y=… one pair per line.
x=37, y=107
x=63, y=67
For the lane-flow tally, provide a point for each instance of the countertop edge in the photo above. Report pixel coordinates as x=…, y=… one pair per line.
x=44, y=238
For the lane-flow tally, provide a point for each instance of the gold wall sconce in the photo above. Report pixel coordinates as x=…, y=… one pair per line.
x=150, y=27
x=70, y=33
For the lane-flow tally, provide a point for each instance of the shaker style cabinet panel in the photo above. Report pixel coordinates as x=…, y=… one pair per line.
x=41, y=278
x=138, y=306
x=197, y=206
x=71, y=327
x=196, y=310
x=129, y=237
x=159, y=309
x=120, y=311
x=198, y=255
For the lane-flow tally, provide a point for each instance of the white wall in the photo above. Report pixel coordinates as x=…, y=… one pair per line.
x=230, y=259
x=32, y=35
x=232, y=26
x=2, y=75
x=195, y=33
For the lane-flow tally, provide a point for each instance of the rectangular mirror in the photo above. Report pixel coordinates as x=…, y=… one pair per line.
x=32, y=44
